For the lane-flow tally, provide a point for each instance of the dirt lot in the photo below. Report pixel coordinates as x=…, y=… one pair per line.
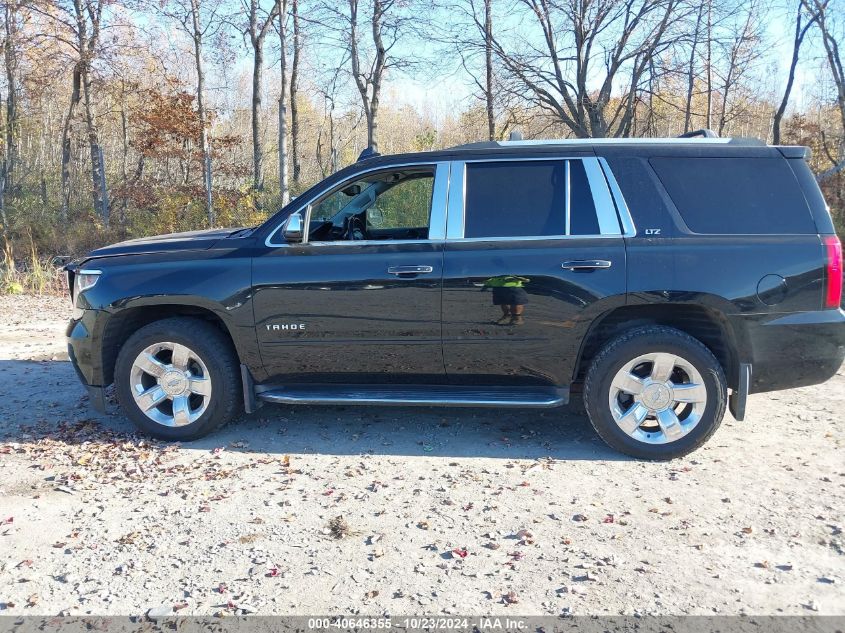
x=405, y=511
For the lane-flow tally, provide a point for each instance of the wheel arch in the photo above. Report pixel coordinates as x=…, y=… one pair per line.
x=707, y=324
x=123, y=323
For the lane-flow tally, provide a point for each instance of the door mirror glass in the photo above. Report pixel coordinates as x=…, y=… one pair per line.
x=292, y=229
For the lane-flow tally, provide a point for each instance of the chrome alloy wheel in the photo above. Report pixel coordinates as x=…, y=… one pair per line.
x=657, y=398
x=170, y=384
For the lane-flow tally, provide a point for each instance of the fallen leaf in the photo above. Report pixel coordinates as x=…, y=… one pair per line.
x=338, y=527
x=608, y=519
x=460, y=552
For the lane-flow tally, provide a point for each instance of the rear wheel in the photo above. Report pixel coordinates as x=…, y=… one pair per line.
x=177, y=379
x=655, y=393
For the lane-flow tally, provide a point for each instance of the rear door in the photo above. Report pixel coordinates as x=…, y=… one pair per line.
x=534, y=253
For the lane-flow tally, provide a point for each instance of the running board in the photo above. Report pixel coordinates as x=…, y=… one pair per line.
x=425, y=395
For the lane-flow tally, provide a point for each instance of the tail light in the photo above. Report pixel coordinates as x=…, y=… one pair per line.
x=833, y=270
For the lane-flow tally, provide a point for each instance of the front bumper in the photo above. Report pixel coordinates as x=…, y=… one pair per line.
x=84, y=340
x=796, y=350
x=85, y=353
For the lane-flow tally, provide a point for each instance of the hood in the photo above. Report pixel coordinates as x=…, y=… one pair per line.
x=190, y=240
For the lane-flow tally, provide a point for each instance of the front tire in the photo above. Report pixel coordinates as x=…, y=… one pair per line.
x=655, y=392
x=177, y=379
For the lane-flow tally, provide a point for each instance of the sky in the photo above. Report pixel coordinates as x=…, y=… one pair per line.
x=452, y=90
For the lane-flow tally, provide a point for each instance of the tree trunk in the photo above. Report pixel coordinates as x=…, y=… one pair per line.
x=800, y=32
x=691, y=71
x=257, y=77
x=67, y=155
x=488, y=66
x=294, y=79
x=98, y=168
x=11, y=62
x=203, y=119
x=708, y=123
x=124, y=128
x=283, y=106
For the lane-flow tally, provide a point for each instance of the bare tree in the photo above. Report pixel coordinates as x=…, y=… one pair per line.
x=692, y=66
x=79, y=29
x=386, y=23
x=296, y=159
x=281, y=13
x=258, y=26
x=612, y=40
x=488, y=69
x=198, y=19
x=469, y=35
x=742, y=49
x=11, y=53
x=801, y=28
x=197, y=30
x=831, y=38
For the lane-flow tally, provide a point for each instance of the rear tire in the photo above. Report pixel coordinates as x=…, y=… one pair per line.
x=655, y=392
x=177, y=379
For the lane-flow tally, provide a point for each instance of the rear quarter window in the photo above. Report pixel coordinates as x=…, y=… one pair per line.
x=742, y=196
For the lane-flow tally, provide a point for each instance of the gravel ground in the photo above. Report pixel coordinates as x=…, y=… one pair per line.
x=351, y=510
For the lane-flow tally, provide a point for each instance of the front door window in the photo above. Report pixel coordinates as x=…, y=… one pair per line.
x=387, y=205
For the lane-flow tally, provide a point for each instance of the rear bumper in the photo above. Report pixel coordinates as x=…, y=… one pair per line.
x=796, y=350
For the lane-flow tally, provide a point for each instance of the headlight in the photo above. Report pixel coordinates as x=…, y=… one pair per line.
x=85, y=280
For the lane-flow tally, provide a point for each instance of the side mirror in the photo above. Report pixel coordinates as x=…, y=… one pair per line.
x=292, y=228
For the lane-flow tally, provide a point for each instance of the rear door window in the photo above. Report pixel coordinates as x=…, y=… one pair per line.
x=528, y=199
x=741, y=196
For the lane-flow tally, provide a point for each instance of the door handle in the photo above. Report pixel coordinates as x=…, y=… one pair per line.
x=586, y=264
x=410, y=270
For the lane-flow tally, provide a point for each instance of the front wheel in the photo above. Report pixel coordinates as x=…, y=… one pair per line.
x=177, y=379
x=655, y=393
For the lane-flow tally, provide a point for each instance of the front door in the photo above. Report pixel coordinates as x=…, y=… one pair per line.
x=534, y=254
x=358, y=301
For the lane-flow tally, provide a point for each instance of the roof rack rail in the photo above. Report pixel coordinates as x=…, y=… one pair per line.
x=703, y=133
x=368, y=152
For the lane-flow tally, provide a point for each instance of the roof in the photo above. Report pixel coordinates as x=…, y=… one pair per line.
x=590, y=142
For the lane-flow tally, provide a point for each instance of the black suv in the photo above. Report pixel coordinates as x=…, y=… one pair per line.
x=664, y=278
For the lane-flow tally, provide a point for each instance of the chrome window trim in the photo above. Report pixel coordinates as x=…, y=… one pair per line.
x=455, y=205
x=629, y=229
x=438, y=206
x=606, y=212
x=536, y=238
x=602, y=200
x=366, y=242
x=568, y=198
x=438, y=216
